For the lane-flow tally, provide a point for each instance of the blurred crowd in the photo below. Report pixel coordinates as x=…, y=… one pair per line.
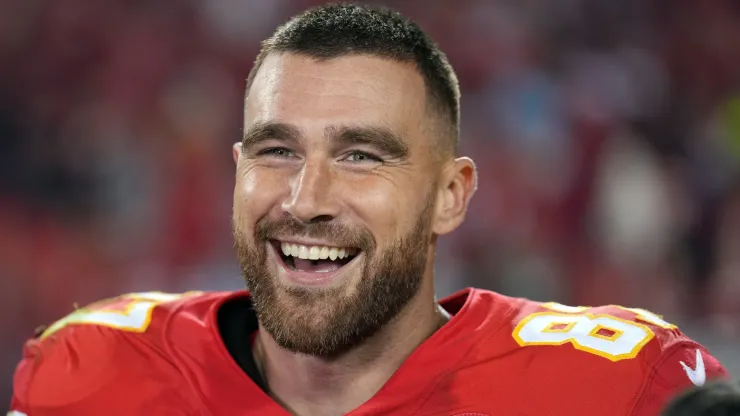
x=606, y=133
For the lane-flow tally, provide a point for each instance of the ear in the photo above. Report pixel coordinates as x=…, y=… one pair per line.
x=457, y=185
x=236, y=150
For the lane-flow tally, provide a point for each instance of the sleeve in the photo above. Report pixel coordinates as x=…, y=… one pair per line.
x=679, y=368
x=90, y=370
x=18, y=402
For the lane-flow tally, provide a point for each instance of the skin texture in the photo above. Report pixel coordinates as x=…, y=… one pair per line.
x=342, y=153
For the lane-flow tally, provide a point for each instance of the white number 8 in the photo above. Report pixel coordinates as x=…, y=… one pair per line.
x=603, y=335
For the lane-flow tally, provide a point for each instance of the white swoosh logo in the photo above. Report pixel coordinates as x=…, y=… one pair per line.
x=697, y=375
x=15, y=413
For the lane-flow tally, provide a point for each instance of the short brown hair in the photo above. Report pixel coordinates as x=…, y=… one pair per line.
x=335, y=30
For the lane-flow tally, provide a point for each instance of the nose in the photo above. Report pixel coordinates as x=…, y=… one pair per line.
x=311, y=194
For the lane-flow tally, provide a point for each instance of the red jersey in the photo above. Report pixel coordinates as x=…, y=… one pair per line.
x=161, y=354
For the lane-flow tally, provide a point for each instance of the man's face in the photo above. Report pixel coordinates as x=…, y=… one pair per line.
x=334, y=197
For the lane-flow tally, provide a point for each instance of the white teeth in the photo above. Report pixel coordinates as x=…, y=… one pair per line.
x=303, y=252
x=313, y=253
x=316, y=252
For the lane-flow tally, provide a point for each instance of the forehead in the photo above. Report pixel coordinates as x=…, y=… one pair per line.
x=346, y=90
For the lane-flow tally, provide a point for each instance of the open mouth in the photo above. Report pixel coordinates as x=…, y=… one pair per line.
x=314, y=259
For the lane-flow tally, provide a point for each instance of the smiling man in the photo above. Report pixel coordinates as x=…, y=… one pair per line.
x=338, y=197
x=346, y=176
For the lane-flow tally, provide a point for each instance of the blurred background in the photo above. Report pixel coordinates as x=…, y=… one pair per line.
x=607, y=134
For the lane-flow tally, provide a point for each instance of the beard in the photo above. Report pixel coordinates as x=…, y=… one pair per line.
x=331, y=321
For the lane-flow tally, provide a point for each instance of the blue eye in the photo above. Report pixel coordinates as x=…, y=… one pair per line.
x=279, y=152
x=358, y=156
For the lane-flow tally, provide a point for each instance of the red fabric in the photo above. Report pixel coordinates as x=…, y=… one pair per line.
x=479, y=363
x=669, y=378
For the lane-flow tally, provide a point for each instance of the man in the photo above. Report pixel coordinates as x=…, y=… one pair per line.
x=719, y=398
x=345, y=178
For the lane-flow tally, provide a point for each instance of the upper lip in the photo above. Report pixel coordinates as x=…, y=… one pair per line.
x=310, y=242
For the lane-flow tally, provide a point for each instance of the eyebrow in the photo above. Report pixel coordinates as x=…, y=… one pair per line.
x=266, y=130
x=381, y=138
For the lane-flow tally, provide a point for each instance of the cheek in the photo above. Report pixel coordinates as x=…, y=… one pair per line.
x=256, y=192
x=389, y=210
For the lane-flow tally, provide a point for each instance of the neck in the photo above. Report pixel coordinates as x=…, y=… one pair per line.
x=309, y=385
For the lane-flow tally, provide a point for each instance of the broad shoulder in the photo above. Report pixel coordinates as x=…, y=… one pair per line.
x=144, y=312
x=613, y=332
x=106, y=348
x=621, y=360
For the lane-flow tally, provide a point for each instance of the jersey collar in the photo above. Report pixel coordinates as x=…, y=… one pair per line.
x=473, y=312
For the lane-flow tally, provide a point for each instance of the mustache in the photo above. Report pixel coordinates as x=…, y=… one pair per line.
x=338, y=234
